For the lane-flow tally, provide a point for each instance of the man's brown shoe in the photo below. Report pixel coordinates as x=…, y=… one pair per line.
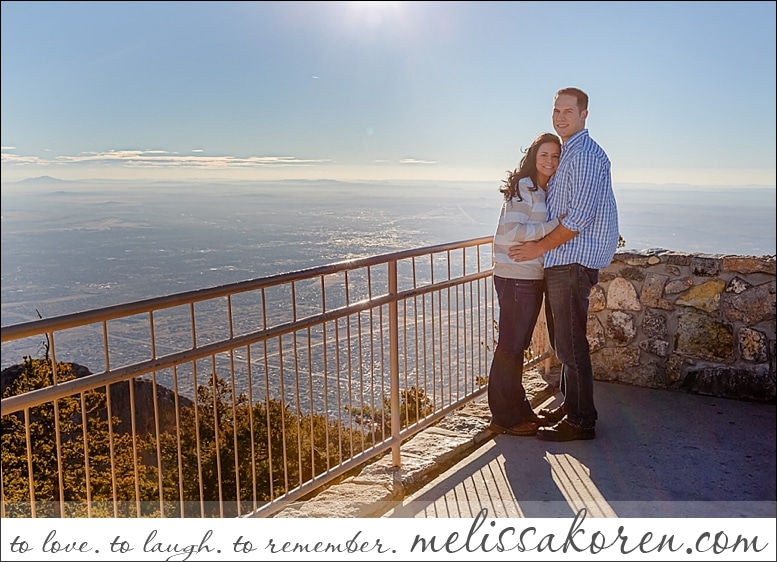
x=552, y=415
x=565, y=431
x=523, y=429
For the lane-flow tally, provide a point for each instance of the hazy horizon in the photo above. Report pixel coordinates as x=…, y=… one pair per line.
x=73, y=246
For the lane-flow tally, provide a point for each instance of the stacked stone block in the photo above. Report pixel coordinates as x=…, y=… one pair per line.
x=699, y=323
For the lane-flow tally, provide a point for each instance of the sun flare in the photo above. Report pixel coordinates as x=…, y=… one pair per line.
x=375, y=12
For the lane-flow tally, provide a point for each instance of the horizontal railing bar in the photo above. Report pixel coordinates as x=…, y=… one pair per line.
x=441, y=285
x=75, y=386
x=76, y=319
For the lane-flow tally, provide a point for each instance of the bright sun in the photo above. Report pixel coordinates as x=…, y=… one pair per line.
x=375, y=7
x=373, y=15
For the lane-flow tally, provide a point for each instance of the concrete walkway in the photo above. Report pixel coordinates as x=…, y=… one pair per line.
x=657, y=453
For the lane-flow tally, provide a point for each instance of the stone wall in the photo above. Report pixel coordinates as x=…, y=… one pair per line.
x=698, y=323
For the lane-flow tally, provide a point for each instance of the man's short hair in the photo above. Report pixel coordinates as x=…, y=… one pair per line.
x=580, y=95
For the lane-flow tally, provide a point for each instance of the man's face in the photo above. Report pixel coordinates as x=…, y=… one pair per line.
x=567, y=119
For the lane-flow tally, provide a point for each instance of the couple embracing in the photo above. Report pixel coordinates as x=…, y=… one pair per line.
x=557, y=227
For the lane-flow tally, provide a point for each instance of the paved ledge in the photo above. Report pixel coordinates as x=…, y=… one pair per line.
x=379, y=486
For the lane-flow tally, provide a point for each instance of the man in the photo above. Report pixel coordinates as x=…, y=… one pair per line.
x=575, y=251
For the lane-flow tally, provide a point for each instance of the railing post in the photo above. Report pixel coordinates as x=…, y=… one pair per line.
x=394, y=361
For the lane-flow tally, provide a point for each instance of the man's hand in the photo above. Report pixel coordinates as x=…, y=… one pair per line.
x=525, y=251
x=532, y=250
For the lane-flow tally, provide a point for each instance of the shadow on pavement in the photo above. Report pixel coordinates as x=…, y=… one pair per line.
x=657, y=453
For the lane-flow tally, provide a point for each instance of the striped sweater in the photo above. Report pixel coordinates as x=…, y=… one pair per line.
x=521, y=221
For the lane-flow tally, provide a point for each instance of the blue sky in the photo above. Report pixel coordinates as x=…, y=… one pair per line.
x=681, y=92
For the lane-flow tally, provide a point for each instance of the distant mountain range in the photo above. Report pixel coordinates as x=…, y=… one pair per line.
x=41, y=179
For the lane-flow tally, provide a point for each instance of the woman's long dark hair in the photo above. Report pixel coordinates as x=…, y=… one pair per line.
x=527, y=168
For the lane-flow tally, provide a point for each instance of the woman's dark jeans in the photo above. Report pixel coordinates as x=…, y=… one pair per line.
x=520, y=301
x=567, y=290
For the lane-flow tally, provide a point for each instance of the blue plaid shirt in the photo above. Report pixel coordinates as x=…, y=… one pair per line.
x=582, y=188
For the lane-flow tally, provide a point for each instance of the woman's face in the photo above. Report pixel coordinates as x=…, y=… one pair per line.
x=547, y=161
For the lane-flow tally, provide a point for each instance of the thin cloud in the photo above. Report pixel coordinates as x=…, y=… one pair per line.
x=416, y=161
x=12, y=159
x=8, y=148
x=162, y=159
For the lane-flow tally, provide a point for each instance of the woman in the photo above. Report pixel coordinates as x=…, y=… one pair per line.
x=519, y=286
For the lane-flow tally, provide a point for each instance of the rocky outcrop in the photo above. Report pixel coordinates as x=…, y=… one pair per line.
x=692, y=322
x=141, y=399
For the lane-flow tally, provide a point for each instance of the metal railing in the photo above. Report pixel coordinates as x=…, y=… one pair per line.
x=236, y=400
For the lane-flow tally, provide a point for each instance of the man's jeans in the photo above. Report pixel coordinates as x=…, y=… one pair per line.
x=520, y=301
x=568, y=288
